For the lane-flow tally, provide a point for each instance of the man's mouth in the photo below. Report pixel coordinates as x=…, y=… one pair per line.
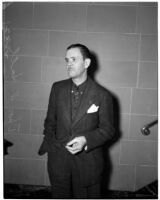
x=70, y=69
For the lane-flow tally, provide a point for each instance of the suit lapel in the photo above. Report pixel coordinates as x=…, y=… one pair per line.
x=86, y=101
x=67, y=102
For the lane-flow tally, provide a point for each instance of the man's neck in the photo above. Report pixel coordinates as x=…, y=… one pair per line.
x=78, y=81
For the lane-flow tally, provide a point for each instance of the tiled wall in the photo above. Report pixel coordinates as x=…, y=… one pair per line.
x=123, y=36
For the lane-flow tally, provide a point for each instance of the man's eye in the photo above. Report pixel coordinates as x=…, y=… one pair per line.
x=70, y=60
x=66, y=60
x=73, y=59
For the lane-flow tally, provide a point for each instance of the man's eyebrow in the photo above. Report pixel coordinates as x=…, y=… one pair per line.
x=70, y=57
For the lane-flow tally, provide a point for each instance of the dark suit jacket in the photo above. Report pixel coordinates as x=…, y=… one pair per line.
x=97, y=127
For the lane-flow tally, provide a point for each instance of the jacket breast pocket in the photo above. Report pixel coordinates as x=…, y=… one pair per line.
x=91, y=119
x=92, y=115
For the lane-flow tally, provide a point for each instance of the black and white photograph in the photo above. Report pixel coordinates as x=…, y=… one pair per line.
x=80, y=99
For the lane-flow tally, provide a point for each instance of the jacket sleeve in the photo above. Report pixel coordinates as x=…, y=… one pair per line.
x=49, y=125
x=105, y=130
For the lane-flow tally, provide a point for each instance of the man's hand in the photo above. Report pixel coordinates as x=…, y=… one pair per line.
x=76, y=145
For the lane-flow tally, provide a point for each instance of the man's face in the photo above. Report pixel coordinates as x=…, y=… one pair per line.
x=76, y=65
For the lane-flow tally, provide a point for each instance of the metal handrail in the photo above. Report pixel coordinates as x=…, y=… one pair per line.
x=145, y=130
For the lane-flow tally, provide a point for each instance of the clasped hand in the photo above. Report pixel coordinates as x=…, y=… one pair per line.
x=76, y=145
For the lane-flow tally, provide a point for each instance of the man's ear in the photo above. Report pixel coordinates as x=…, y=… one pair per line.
x=87, y=62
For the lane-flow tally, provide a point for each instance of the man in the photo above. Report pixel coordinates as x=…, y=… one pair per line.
x=79, y=121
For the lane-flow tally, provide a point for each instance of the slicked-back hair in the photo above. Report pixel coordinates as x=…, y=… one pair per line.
x=83, y=49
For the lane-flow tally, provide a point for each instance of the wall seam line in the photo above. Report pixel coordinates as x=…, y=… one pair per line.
x=135, y=178
x=130, y=111
x=33, y=16
x=30, y=121
x=81, y=31
x=139, y=58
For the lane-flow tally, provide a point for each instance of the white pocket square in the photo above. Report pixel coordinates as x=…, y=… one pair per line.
x=93, y=109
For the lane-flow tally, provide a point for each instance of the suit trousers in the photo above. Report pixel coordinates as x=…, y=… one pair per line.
x=64, y=178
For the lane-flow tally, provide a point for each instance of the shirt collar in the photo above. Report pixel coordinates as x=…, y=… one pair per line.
x=80, y=87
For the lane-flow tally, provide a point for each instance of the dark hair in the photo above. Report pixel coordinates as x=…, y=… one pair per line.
x=84, y=50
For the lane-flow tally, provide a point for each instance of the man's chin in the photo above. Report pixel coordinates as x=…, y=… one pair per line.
x=71, y=75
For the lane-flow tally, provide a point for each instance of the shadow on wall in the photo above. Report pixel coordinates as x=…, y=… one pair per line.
x=92, y=70
x=6, y=144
